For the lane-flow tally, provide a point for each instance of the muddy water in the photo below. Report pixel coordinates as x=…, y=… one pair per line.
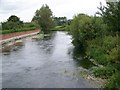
x=46, y=63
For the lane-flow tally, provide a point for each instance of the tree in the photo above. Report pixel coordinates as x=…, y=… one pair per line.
x=82, y=29
x=60, y=21
x=13, y=18
x=13, y=22
x=111, y=15
x=44, y=17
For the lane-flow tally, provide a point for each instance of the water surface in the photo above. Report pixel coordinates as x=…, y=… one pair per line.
x=46, y=63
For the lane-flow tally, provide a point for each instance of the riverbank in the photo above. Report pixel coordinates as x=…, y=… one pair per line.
x=12, y=36
x=13, y=45
x=11, y=41
x=59, y=28
x=90, y=77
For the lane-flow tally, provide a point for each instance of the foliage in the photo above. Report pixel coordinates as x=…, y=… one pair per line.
x=11, y=25
x=84, y=28
x=13, y=18
x=111, y=15
x=104, y=72
x=99, y=38
x=13, y=22
x=0, y=26
x=30, y=25
x=60, y=21
x=113, y=82
x=16, y=30
x=104, y=51
x=59, y=28
x=44, y=18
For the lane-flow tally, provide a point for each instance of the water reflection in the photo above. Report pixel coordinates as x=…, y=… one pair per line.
x=79, y=57
x=47, y=43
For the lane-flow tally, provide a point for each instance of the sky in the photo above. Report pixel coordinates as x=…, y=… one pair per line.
x=25, y=9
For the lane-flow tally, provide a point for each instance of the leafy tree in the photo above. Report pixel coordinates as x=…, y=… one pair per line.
x=13, y=18
x=111, y=15
x=84, y=28
x=60, y=20
x=13, y=22
x=44, y=17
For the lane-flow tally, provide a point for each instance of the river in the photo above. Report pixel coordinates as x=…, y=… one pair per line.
x=46, y=63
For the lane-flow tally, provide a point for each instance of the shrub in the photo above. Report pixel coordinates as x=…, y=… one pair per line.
x=114, y=82
x=98, y=54
x=104, y=72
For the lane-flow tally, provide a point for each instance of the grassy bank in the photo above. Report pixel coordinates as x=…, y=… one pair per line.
x=59, y=28
x=17, y=30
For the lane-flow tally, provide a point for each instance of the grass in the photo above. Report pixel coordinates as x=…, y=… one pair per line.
x=16, y=30
x=59, y=28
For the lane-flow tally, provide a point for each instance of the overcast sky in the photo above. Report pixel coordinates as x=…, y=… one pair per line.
x=25, y=9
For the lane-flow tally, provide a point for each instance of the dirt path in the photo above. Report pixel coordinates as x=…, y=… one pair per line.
x=11, y=35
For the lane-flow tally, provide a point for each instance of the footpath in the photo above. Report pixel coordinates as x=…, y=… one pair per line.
x=17, y=35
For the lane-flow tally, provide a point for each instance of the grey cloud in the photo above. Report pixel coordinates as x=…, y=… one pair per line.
x=9, y=6
x=59, y=7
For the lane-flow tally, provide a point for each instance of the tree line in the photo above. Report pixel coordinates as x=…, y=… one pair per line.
x=14, y=24
x=43, y=19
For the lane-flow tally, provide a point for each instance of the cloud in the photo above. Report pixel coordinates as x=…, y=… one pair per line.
x=7, y=6
x=25, y=9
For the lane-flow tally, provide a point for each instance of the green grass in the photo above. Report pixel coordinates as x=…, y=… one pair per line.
x=59, y=28
x=16, y=30
x=104, y=72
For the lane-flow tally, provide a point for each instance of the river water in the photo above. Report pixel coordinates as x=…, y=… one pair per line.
x=46, y=63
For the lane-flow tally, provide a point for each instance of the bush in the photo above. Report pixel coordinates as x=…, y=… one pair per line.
x=97, y=53
x=11, y=25
x=109, y=42
x=103, y=50
x=29, y=25
x=104, y=72
x=114, y=82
